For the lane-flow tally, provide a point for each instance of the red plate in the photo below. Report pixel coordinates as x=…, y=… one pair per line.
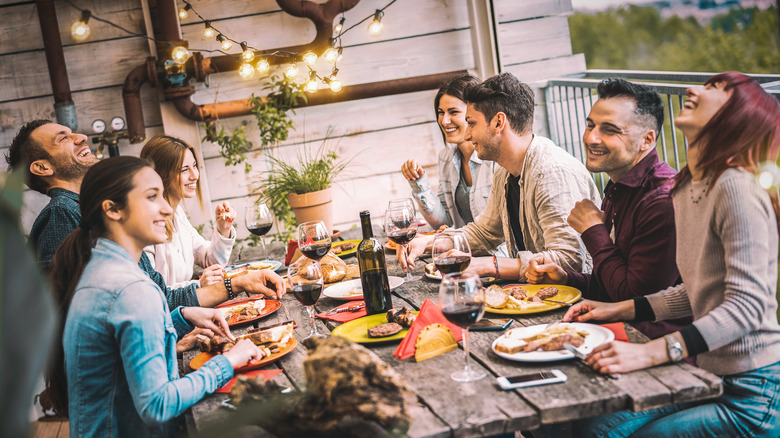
x=204, y=357
x=271, y=306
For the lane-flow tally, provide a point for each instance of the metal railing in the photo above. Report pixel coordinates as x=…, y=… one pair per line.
x=569, y=100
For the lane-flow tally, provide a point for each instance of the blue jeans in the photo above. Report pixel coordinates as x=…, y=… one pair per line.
x=748, y=407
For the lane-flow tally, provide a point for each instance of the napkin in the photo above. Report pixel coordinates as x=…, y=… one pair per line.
x=266, y=374
x=618, y=329
x=345, y=316
x=293, y=253
x=429, y=314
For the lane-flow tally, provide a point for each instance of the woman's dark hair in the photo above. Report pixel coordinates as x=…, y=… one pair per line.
x=744, y=132
x=110, y=179
x=454, y=87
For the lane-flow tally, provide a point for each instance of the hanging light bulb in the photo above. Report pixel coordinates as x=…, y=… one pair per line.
x=185, y=11
x=209, y=31
x=80, y=29
x=246, y=70
x=337, y=28
x=376, y=28
x=291, y=71
x=335, y=84
x=768, y=175
x=331, y=55
x=225, y=42
x=312, y=85
x=247, y=54
x=263, y=65
x=180, y=54
x=310, y=58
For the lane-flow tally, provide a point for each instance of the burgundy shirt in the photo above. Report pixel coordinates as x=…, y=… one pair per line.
x=641, y=261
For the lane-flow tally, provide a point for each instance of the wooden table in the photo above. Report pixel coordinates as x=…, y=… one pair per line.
x=481, y=407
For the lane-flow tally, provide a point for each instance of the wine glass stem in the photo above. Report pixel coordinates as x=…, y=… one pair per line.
x=405, y=247
x=466, y=349
x=265, y=251
x=310, y=311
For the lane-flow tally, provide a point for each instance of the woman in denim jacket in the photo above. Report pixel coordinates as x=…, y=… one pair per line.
x=464, y=180
x=120, y=337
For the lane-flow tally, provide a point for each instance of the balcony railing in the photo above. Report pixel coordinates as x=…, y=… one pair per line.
x=569, y=100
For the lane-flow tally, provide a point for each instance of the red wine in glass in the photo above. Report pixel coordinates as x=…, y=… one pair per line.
x=402, y=237
x=316, y=251
x=260, y=230
x=447, y=265
x=464, y=314
x=307, y=294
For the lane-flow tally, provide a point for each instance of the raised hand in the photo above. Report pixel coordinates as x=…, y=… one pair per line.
x=225, y=216
x=584, y=215
x=412, y=170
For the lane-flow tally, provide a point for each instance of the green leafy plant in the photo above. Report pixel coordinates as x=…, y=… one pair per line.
x=233, y=147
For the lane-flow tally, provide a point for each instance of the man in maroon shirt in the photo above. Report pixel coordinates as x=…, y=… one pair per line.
x=632, y=241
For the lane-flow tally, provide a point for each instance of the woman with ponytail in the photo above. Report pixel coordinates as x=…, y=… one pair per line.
x=119, y=335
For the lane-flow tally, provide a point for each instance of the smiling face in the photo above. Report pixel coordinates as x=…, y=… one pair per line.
x=69, y=151
x=701, y=105
x=615, y=137
x=189, y=175
x=481, y=134
x=451, y=115
x=144, y=215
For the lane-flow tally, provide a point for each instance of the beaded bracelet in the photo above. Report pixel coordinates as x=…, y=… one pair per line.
x=495, y=263
x=229, y=286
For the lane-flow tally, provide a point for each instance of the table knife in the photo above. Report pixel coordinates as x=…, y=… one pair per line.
x=354, y=308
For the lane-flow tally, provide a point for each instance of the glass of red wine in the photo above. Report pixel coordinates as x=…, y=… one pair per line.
x=259, y=221
x=451, y=251
x=460, y=300
x=314, y=239
x=305, y=279
x=401, y=226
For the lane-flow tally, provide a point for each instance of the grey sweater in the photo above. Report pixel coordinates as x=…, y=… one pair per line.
x=727, y=251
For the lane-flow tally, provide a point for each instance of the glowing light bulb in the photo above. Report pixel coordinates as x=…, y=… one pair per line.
x=337, y=28
x=185, y=12
x=80, y=29
x=209, y=31
x=768, y=175
x=376, y=28
x=225, y=42
x=311, y=85
x=180, y=54
x=246, y=71
x=331, y=55
x=291, y=71
x=335, y=84
x=263, y=66
x=310, y=58
x=247, y=54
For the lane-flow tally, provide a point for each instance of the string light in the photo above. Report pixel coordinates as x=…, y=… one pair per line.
x=246, y=70
x=376, y=28
x=310, y=58
x=337, y=28
x=263, y=65
x=80, y=29
x=291, y=71
x=335, y=84
x=180, y=54
x=312, y=85
x=768, y=175
x=247, y=54
x=209, y=31
x=225, y=42
x=185, y=11
x=333, y=52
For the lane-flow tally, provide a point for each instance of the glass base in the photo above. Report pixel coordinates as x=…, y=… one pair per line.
x=467, y=375
x=408, y=278
x=315, y=335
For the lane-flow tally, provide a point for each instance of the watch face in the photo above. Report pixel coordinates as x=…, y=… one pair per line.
x=117, y=123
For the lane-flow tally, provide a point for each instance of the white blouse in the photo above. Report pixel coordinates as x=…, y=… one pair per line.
x=175, y=260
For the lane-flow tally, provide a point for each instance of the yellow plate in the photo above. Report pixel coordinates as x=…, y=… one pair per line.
x=566, y=294
x=342, y=254
x=357, y=329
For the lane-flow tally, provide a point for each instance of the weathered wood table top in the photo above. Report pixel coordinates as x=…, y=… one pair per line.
x=481, y=407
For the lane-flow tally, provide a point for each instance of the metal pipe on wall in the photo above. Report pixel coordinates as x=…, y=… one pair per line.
x=64, y=108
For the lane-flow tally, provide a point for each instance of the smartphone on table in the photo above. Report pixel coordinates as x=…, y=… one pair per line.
x=531, y=379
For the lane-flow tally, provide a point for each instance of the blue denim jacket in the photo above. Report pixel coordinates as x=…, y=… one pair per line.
x=120, y=353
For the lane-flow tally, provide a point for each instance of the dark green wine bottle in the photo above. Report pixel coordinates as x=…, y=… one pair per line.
x=373, y=270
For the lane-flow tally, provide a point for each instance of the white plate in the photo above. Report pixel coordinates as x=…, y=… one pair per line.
x=275, y=265
x=431, y=276
x=342, y=291
x=597, y=335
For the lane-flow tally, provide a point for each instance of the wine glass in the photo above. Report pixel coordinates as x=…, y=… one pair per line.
x=401, y=226
x=314, y=239
x=259, y=221
x=305, y=279
x=460, y=299
x=451, y=251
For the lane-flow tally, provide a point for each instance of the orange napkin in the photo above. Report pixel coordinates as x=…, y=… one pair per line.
x=618, y=329
x=429, y=314
x=267, y=375
x=345, y=316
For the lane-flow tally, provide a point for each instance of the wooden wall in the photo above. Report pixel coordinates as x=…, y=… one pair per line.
x=421, y=37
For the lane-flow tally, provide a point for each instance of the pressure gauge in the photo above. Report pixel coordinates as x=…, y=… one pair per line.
x=98, y=126
x=117, y=123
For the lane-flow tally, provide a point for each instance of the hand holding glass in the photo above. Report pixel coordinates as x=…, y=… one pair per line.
x=401, y=226
x=451, y=251
x=460, y=300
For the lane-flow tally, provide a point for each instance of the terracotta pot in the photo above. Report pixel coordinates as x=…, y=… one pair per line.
x=314, y=206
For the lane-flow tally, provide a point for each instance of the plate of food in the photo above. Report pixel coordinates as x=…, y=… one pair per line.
x=381, y=327
x=246, y=267
x=391, y=245
x=432, y=272
x=246, y=310
x=345, y=248
x=520, y=299
x=274, y=343
x=353, y=289
x=544, y=343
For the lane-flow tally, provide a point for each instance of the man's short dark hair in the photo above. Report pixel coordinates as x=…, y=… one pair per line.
x=649, y=105
x=24, y=150
x=504, y=93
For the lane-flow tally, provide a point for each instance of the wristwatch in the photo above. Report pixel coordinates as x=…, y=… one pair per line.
x=673, y=348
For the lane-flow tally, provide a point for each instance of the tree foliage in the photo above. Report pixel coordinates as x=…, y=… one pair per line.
x=638, y=38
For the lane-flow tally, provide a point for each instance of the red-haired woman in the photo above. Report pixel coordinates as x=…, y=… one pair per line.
x=727, y=253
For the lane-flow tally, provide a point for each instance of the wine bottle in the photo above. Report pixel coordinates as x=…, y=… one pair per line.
x=373, y=270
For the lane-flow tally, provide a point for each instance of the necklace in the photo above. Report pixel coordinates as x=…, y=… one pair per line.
x=698, y=193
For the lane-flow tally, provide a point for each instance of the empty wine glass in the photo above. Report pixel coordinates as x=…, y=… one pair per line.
x=314, y=239
x=305, y=279
x=460, y=300
x=259, y=221
x=401, y=226
x=451, y=251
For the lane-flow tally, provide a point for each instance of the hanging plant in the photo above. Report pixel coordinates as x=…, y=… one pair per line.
x=233, y=147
